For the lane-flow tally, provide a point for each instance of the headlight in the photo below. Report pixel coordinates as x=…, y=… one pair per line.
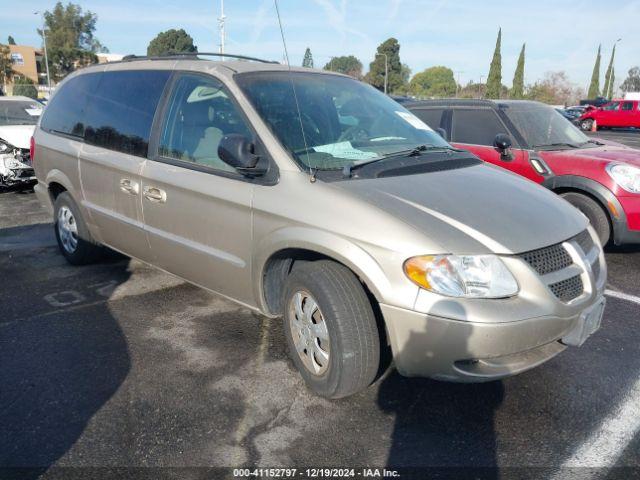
x=472, y=276
x=626, y=176
x=4, y=146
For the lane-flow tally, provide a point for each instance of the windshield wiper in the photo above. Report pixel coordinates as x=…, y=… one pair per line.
x=557, y=144
x=594, y=142
x=408, y=152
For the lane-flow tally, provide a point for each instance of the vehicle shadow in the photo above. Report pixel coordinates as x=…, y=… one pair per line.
x=60, y=365
x=442, y=429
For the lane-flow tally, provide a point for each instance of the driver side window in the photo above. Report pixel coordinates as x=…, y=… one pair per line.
x=200, y=113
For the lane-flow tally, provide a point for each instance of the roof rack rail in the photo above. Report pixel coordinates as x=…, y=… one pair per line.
x=128, y=58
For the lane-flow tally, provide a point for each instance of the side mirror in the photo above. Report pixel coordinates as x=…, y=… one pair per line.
x=503, y=143
x=237, y=151
x=442, y=132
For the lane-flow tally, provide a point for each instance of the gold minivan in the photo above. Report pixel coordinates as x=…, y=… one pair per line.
x=311, y=196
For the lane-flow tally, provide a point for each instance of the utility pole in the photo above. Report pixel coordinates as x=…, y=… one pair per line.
x=46, y=58
x=221, y=20
x=480, y=87
x=386, y=69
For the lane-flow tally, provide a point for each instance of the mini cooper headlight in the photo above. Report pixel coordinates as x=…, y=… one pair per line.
x=471, y=276
x=625, y=176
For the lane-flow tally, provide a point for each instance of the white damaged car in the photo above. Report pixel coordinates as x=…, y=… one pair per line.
x=18, y=118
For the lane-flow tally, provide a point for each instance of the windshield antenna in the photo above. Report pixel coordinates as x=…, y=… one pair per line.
x=312, y=174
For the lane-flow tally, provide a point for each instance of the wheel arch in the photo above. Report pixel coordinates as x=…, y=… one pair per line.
x=277, y=255
x=595, y=190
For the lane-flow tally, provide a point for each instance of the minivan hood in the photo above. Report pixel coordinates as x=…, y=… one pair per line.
x=604, y=153
x=478, y=209
x=17, y=135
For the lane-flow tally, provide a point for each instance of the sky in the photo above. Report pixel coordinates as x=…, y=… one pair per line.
x=459, y=34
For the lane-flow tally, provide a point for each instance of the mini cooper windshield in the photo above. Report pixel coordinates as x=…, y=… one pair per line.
x=543, y=127
x=345, y=122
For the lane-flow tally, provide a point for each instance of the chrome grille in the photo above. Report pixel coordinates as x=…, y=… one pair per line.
x=548, y=259
x=568, y=289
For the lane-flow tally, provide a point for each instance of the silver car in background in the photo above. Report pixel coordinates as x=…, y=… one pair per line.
x=311, y=196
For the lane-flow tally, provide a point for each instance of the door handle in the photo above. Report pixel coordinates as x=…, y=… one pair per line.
x=154, y=194
x=129, y=186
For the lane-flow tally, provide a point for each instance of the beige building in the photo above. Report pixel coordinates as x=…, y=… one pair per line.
x=26, y=62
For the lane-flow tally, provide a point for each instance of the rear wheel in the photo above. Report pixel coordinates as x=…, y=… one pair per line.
x=74, y=240
x=331, y=329
x=593, y=211
x=586, y=124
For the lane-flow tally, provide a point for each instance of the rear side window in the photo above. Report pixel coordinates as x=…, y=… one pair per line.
x=64, y=113
x=476, y=126
x=430, y=116
x=120, y=111
x=627, y=106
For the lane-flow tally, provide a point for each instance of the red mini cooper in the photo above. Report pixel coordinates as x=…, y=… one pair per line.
x=600, y=178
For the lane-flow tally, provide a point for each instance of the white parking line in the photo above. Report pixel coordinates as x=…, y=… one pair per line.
x=622, y=296
x=607, y=443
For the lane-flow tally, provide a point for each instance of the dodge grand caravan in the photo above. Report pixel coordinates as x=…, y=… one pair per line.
x=311, y=196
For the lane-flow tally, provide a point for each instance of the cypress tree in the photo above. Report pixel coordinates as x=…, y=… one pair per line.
x=517, y=90
x=494, y=79
x=307, y=61
x=613, y=78
x=594, y=86
x=607, y=78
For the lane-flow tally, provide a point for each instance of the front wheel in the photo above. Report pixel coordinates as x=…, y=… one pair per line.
x=331, y=329
x=593, y=211
x=586, y=124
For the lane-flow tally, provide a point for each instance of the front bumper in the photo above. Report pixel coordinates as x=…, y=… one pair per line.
x=14, y=170
x=627, y=226
x=429, y=346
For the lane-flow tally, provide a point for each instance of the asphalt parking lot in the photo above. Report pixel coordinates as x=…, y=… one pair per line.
x=120, y=365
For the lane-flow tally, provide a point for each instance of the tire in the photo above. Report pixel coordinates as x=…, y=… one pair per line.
x=74, y=240
x=353, y=345
x=594, y=212
x=586, y=124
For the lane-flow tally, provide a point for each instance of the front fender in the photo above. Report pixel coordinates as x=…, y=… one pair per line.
x=343, y=250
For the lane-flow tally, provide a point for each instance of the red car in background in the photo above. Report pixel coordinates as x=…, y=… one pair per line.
x=615, y=114
x=601, y=179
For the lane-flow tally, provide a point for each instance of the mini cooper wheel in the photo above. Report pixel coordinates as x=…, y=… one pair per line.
x=74, y=240
x=594, y=212
x=331, y=329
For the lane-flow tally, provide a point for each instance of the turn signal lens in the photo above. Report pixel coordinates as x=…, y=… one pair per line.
x=472, y=276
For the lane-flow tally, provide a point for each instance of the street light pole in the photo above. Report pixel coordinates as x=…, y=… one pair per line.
x=458, y=72
x=480, y=87
x=386, y=69
x=46, y=58
x=221, y=20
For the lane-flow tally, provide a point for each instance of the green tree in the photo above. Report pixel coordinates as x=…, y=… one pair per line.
x=494, y=80
x=608, y=82
x=171, y=42
x=307, y=61
x=433, y=82
x=24, y=86
x=390, y=48
x=5, y=65
x=517, y=90
x=70, y=40
x=10, y=40
x=348, y=65
x=632, y=82
x=611, y=82
x=594, y=86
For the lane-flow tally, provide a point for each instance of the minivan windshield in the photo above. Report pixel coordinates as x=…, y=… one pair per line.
x=344, y=121
x=16, y=112
x=543, y=127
